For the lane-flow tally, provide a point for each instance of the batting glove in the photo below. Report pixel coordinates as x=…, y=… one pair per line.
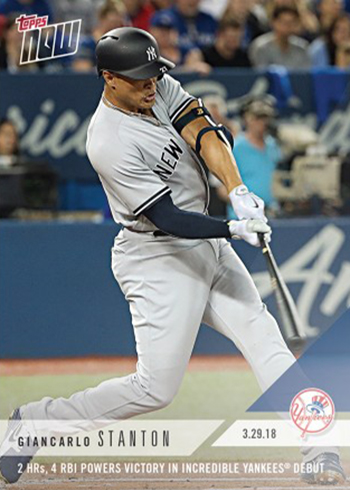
x=246, y=204
x=248, y=229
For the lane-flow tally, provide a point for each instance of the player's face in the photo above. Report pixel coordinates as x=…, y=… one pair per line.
x=135, y=95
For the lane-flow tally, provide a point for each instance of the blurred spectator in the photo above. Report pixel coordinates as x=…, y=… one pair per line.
x=252, y=18
x=328, y=11
x=110, y=16
x=139, y=12
x=216, y=9
x=194, y=62
x=3, y=19
x=217, y=107
x=83, y=62
x=329, y=50
x=226, y=51
x=281, y=46
x=309, y=25
x=343, y=56
x=27, y=7
x=66, y=10
x=195, y=28
x=163, y=28
x=256, y=152
x=161, y=4
x=10, y=48
x=9, y=143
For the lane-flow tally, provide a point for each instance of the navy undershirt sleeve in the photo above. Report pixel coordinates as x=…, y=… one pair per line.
x=184, y=224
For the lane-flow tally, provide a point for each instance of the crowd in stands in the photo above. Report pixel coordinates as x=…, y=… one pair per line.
x=198, y=35
x=9, y=142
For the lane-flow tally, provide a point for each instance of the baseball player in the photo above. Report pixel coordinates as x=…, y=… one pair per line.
x=147, y=141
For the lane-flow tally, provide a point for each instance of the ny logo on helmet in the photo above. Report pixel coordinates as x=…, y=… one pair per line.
x=151, y=53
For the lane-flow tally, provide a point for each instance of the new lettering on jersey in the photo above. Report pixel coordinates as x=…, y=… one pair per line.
x=166, y=170
x=42, y=41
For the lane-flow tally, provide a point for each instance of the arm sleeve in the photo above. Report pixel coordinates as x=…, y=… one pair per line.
x=136, y=184
x=184, y=224
x=176, y=98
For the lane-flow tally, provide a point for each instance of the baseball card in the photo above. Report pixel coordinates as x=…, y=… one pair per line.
x=174, y=245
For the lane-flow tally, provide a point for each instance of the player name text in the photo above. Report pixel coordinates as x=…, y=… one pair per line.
x=105, y=438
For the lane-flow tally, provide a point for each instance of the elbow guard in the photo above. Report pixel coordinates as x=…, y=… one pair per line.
x=222, y=132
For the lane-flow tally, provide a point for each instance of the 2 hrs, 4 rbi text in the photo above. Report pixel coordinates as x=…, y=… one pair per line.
x=159, y=468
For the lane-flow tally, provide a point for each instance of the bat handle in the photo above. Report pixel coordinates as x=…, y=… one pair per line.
x=296, y=343
x=262, y=240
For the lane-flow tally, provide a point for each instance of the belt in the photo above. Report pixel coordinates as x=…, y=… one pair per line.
x=154, y=233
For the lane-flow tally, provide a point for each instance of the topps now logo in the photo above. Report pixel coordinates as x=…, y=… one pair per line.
x=43, y=41
x=312, y=411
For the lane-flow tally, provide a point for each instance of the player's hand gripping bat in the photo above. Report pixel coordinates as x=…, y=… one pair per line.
x=290, y=322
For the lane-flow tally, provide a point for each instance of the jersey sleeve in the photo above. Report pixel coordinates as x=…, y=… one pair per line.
x=137, y=185
x=176, y=98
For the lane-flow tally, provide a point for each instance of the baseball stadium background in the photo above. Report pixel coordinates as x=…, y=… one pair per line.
x=55, y=283
x=64, y=324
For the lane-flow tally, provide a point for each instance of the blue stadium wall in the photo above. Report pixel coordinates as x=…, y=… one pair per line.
x=58, y=297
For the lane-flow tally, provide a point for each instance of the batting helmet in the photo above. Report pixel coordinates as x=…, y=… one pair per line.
x=131, y=52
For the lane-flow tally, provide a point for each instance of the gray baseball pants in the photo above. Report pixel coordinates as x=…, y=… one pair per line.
x=172, y=285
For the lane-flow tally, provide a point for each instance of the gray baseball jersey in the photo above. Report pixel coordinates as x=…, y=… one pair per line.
x=141, y=158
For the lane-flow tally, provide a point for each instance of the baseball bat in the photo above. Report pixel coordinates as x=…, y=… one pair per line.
x=291, y=325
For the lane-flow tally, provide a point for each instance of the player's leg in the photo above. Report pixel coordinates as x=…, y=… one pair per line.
x=167, y=295
x=236, y=310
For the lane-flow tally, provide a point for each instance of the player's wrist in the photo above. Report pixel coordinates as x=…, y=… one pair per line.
x=232, y=227
x=246, y=204
x=239, y=190
x=237, y=193
x=248, y=229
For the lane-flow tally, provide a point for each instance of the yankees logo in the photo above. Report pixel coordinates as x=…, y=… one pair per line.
x=312, y=411
x=151, y=53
